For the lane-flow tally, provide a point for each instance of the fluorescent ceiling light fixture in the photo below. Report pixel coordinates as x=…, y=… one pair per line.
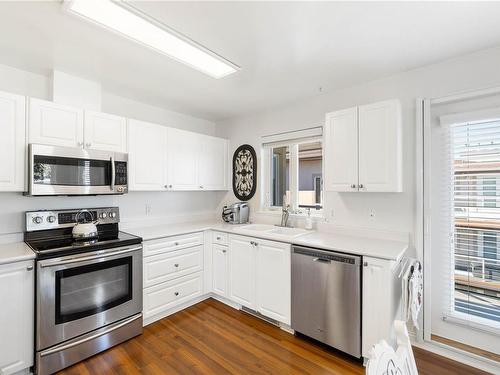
x=132, y=24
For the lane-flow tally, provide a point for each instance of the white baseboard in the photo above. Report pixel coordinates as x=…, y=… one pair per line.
x=461, y=356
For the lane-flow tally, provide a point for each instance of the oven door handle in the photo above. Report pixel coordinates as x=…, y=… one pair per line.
x=113, y=172
x=112, y=328
x=78, y=259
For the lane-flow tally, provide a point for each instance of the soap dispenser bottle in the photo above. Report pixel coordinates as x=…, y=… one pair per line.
x=309, y=222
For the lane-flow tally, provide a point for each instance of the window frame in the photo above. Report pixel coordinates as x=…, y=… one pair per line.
x=266, y=178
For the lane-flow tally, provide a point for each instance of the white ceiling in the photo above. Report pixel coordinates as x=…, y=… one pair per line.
x=287, y=50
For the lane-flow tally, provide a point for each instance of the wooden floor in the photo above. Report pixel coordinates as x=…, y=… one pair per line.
x=212, y=338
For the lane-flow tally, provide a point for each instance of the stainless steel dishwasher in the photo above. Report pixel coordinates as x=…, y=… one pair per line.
x=326, y=297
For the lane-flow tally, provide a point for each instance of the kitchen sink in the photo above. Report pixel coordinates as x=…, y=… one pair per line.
x=273, y=229
x=288, y=232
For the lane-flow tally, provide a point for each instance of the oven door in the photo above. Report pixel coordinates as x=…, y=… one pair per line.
x=76, y=171
x=80, y=293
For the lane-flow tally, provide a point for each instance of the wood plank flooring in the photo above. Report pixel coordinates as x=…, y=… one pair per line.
x=212, y=338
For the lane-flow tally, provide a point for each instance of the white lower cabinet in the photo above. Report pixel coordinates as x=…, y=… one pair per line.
x=242, y=271
x=165, y=296
x=172, y=274
x=381, y=297
x=220, y=265
x=259, y=276
x=273, y=279
x=16, y=321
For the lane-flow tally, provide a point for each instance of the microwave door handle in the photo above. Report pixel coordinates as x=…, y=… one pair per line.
x=112, y=186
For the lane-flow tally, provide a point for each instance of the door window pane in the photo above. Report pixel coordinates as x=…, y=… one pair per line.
x=280, y=175
x=310, y=175
x=88, y=290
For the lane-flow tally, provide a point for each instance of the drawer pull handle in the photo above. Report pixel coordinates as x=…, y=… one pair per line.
x=224, y=251
x=176, y=293
x=176, y=243
x=218, y=238
x=176, y=264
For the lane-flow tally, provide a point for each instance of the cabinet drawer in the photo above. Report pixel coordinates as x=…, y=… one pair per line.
x=164, y=296
x=220, y=238
x=174, y=243
x=172, y=264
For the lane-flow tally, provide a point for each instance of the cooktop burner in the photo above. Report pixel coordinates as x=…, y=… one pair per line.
x=58, y=240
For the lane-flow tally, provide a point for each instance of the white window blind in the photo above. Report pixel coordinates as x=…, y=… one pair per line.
x=474, y=224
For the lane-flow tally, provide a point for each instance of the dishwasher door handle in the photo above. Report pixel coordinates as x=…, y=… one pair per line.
x=322, y=260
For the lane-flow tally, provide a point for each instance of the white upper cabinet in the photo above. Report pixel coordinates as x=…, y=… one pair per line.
x=182, y=154
x=16, y=317
x=54, y=124
x=380, y=143
x=61, y=125
x=103, y=131
x=363, y=148
x=147, y=156
x=341, y=150
x=212, y=164
x=12, y=141
x=274, y=280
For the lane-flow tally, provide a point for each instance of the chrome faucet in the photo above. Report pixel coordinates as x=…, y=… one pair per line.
x=285, y=212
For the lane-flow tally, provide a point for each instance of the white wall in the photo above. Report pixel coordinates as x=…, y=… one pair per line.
x=132, y=205
x=393, y=211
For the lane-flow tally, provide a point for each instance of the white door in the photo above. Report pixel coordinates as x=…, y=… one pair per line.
x=147, y=156
x=12, y=141
x=380, y=148
x=16, y=317
x=219, y=270
x=242, y=271
x=182, y=149
x=341, y=150
x=274, y=280
x=54, y=124
x=213, y=163
x=106, y=132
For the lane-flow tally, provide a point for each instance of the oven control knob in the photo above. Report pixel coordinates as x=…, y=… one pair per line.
x=37, y=220
x=104, y=215
x=112, y=214
x=51, y=219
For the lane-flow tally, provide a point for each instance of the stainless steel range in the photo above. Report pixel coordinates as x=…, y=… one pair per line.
x=88, y=292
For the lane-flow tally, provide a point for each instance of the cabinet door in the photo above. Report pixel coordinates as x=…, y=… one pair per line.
x=380, y=149
x=16, y=318
x=147, y=156
x=219, y=270
x=377, y=316
x=213, y=164
x=105, y=132
x=54, y=124
x=183, y=150
x=341, y=150
x=242, y=271
x=12, y=141
x=274, y=280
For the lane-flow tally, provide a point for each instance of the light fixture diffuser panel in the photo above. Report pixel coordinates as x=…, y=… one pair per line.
x=150, y=33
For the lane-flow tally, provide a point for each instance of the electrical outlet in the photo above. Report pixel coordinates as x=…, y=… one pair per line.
x=148, y=209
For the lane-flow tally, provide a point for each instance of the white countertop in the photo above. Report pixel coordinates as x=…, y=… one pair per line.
x=15, y=252
x=362, y=245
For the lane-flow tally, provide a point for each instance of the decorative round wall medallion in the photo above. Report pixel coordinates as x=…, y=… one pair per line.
x=244, y=172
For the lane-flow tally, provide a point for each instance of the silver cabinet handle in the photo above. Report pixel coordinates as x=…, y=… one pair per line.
x=176, y=243
x=224, y=251
x=176, y=293
x=361, y=186
x=29, y=268
x=88, y=144
x=252, y=243
x=201, y=186
x=218, y=238
x=170, y=186
x=353, y=186
x=166, y=186
x=365, y=264
x=176, y=265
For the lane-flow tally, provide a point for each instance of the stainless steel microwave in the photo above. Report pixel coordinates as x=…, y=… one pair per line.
x=55, y=170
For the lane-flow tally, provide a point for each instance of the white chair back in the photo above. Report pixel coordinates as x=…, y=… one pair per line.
x=384, y=360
